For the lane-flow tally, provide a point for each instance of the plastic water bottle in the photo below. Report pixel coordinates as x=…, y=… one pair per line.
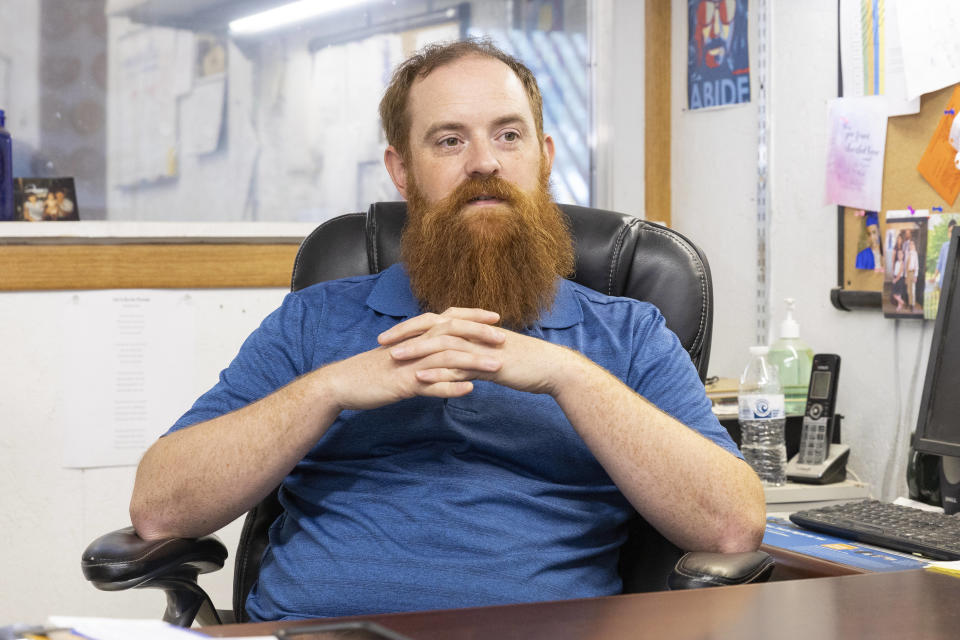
x=762, y=419
x=6, y=172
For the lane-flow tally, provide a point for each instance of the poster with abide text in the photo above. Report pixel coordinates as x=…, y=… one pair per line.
x=718, y=61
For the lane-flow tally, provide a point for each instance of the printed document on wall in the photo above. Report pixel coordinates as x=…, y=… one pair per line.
x=871, y=57
x=127, y=372
x=201, y=116
x=858, y=136
x=931, y=48
x=143, y=143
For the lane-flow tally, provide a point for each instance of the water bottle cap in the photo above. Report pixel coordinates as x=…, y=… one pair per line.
x=759, y=350
x=3, y=118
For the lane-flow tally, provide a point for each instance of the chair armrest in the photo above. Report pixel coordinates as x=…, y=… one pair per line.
x=123, y=560
x=701, y=569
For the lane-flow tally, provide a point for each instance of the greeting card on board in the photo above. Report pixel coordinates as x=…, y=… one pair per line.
x=858, y=135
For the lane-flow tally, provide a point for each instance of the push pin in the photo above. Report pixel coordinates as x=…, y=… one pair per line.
x=912, y=210
x=949, y=112
x=940, y=209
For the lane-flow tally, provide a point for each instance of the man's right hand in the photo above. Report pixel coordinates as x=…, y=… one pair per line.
x=196, y=480
x=374, y=378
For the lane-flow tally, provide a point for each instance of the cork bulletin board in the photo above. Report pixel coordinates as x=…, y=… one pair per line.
x=903, y=187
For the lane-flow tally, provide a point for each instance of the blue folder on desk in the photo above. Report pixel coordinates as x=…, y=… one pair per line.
x=784, y=534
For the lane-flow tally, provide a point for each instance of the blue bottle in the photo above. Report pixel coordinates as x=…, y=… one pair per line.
x=6, y=172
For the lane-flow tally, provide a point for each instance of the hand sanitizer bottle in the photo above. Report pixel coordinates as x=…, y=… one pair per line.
x=793, y=359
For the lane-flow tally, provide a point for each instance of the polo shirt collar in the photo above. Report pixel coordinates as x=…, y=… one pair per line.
x=565, y=311
x=391, y=295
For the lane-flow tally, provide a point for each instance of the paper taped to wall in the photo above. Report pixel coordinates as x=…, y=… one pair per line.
x=127, y=372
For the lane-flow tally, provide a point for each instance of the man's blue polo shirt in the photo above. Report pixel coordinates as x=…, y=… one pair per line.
x=487, y=499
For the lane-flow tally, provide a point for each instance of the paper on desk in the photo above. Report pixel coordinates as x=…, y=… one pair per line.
x=949, y=568
x=784, y=534
x=931, y=49
x=858, y=136
x=119, y=629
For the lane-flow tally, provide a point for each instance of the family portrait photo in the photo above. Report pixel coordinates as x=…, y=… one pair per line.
x=45, y=199
x=905, y=250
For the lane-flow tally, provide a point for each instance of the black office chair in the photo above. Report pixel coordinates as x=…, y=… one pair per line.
x=616, y=254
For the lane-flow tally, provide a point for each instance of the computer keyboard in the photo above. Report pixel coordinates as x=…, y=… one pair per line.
x=931, y=534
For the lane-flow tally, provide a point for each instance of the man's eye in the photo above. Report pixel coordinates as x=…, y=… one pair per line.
x=511, y=136
x=449, y=142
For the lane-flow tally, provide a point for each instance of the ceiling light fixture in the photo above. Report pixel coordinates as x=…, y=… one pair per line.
x=288, y=14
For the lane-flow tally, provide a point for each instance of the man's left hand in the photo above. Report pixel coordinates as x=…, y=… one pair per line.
x=526, y=363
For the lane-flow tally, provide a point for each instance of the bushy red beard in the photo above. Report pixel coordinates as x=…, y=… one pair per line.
x=504, y=258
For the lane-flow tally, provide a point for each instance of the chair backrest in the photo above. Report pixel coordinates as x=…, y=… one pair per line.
x=616, y=254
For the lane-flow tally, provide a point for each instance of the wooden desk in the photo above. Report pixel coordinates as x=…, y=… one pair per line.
x=895, y=605
x=797, y=566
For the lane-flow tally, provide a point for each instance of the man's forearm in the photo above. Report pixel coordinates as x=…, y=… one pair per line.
x=196, y=480
x=699, y=496
x=694, y=492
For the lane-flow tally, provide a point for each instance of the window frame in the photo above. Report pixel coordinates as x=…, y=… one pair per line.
x=109, y=255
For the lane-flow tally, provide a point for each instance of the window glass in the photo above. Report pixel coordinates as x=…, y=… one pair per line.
x=159, y=111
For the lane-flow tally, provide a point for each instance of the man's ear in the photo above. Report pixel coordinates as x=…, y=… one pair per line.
x=397, y=169
x=548, y=151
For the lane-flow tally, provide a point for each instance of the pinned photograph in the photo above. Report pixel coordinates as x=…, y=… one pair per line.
x=50, y=199
x=939, y=228
x=905, y=246
x=210, y=55
x=869, y=249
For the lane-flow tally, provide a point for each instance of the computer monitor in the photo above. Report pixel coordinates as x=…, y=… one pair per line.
x=938, y=426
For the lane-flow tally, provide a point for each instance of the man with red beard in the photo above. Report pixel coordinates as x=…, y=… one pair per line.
x=467, y=427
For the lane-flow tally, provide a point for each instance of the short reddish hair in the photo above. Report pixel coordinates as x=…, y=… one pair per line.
x=393, y=106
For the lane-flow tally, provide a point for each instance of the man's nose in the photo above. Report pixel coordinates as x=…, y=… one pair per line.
x=481, y=160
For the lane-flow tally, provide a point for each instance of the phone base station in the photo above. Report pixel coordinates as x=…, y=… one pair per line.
x=833, y=469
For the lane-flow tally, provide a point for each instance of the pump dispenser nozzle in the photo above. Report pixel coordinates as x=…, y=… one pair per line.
x=789, y=328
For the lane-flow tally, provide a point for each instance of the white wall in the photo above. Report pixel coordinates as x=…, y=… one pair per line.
x=714, y=172
x=49, y=514
x=619, y=109
x=713, y=177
